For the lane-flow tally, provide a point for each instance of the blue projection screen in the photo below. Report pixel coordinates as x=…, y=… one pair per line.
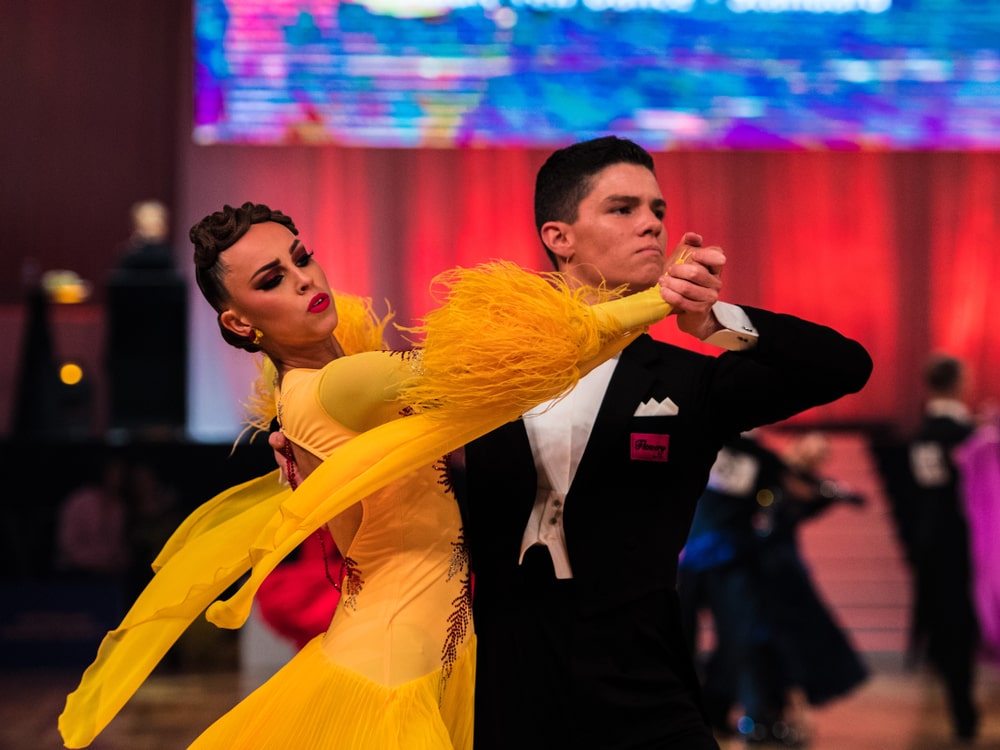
x=696, y=74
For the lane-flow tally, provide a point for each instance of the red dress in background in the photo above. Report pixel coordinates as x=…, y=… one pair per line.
x=297, y=600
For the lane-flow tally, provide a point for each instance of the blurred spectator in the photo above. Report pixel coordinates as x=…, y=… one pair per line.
x=90, y=535
x=819, y=663
x=146, y=340
x=720, y=573
x=946, y=625
x=777, y=648
x=978, y=460
x=148, y=247
x=155, y=513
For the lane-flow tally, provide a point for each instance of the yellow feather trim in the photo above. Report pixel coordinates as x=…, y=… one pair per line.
x=359, y=328
x=499, y=335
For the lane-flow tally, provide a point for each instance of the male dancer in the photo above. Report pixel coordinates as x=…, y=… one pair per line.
x=575, y=514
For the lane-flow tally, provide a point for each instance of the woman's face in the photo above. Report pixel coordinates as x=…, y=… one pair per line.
x=277, y=287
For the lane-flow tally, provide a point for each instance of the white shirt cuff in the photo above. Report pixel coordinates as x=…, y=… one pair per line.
x=739, y=332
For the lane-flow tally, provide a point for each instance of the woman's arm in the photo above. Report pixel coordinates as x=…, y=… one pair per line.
x=362, y=391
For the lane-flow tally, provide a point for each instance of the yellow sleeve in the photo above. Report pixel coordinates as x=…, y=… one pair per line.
x=635, y=312
x=362, y=391
x=508, y=337
x=525, y=329
x=502, y=334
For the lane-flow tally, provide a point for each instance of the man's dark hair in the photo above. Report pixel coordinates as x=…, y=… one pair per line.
x=212, y=235
x=567, y=176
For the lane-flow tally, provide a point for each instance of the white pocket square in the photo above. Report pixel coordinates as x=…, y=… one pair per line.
x=654, y=408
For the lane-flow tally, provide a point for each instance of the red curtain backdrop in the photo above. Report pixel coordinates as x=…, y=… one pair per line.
x=964, y=266
x=895, y=249
x=834, y=259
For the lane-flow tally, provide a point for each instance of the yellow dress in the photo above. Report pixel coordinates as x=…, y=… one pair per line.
x=397, y=665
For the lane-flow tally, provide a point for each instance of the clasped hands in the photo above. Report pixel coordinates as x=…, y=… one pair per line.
x=691, y=284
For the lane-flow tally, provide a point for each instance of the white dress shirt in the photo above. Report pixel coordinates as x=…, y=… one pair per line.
x=558, y=432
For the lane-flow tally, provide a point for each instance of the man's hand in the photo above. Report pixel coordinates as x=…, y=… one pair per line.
x=692, y=283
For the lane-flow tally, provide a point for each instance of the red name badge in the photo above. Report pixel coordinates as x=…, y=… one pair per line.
x=648, y=446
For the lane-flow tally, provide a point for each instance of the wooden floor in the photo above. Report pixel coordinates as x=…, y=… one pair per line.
x=894, y=710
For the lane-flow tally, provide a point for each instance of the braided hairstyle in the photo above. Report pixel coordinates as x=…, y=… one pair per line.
x=213, y=235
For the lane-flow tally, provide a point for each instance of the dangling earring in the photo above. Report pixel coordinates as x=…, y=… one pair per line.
x=258, y=336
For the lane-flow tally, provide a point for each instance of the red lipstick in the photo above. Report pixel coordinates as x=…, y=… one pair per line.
x=319, y=303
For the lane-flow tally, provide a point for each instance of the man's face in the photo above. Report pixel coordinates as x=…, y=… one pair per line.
x=618, y=236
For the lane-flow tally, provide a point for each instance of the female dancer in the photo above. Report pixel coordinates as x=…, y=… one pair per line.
x=396, y=666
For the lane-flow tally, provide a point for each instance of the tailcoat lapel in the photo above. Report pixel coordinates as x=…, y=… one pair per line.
x=608, y=445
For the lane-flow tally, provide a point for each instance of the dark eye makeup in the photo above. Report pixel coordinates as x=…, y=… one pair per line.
x=299, y=256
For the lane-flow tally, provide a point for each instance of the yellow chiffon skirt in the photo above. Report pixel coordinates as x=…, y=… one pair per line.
x=313, y=703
